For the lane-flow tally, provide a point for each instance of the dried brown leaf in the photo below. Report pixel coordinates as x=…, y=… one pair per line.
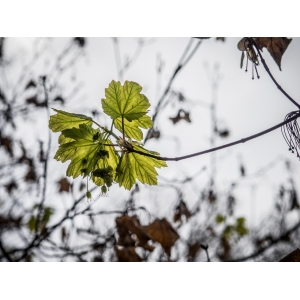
x=153, y=134
x=64, y=185
x=11, y=186
x=31, y=174
x=182, y=115
x=34, y=100
x=275, y=45
x=132, y=233
x=212, y=197
x=193, y=250
x=30, y=84
x=6, y=142
x=294, y=256
x=222, y=39
x=162, y=232
x=180, y=211
x=60, y=99
x=127, y=254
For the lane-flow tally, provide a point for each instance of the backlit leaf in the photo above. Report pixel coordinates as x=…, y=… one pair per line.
x=136, y=166
x=132, y=129
x=83, y=151
x=125, y=101
x=64, y=120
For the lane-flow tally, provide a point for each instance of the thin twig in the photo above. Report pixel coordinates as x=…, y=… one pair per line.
x=270, y=74
x=180, y=65
x=118, y=58
x=46, y=160
x=244, y=140
x=275, y=241
x=5, y=254
x=205, y=247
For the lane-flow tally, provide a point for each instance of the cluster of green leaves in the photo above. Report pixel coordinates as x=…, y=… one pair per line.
x=92, y=152
x=45, y=217
x=239, y=227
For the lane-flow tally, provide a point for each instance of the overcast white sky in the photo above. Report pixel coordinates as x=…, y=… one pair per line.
x=244, y=106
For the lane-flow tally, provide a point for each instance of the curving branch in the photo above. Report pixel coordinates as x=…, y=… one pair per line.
x=244, y=140
x=270, y=74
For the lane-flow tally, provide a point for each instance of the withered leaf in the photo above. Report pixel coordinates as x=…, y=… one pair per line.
x=162, y=232
x=294, y=200
x=182, y=115
x=64, y=185
x=30, y=84
x=6, y=142
x=98, y=258
x=153, y=134
x=275, y=45
x=223, y=133
x=31, y=174
x=127, y=227
x=127, y=254
x=212, y=197
x=34, y=100
x=193, y=250
x=294, y=256
x=80, y=41
x=180, y=211
x=60, y=99
x=11, y=186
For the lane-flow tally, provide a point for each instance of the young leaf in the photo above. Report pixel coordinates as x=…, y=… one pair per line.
x=134, y=166
x=83, y=151
x=125, y=101
x=132, y=129
x=64, y=120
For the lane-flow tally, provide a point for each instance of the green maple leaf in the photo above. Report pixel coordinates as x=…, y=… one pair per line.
x=125, y=101
x=131, y=129
x=81, y=147
x=64, y=120
x=134, y=166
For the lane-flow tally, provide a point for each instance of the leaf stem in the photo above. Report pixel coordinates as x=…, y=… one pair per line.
x=106, y=130
x=123, y=131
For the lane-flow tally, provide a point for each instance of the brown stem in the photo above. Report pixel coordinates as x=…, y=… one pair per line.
x=270, y=74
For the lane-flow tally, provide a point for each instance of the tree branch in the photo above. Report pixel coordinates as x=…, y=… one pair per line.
x=275, y=241
x=244, y=140
x=270, y=74
x=180, y=65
